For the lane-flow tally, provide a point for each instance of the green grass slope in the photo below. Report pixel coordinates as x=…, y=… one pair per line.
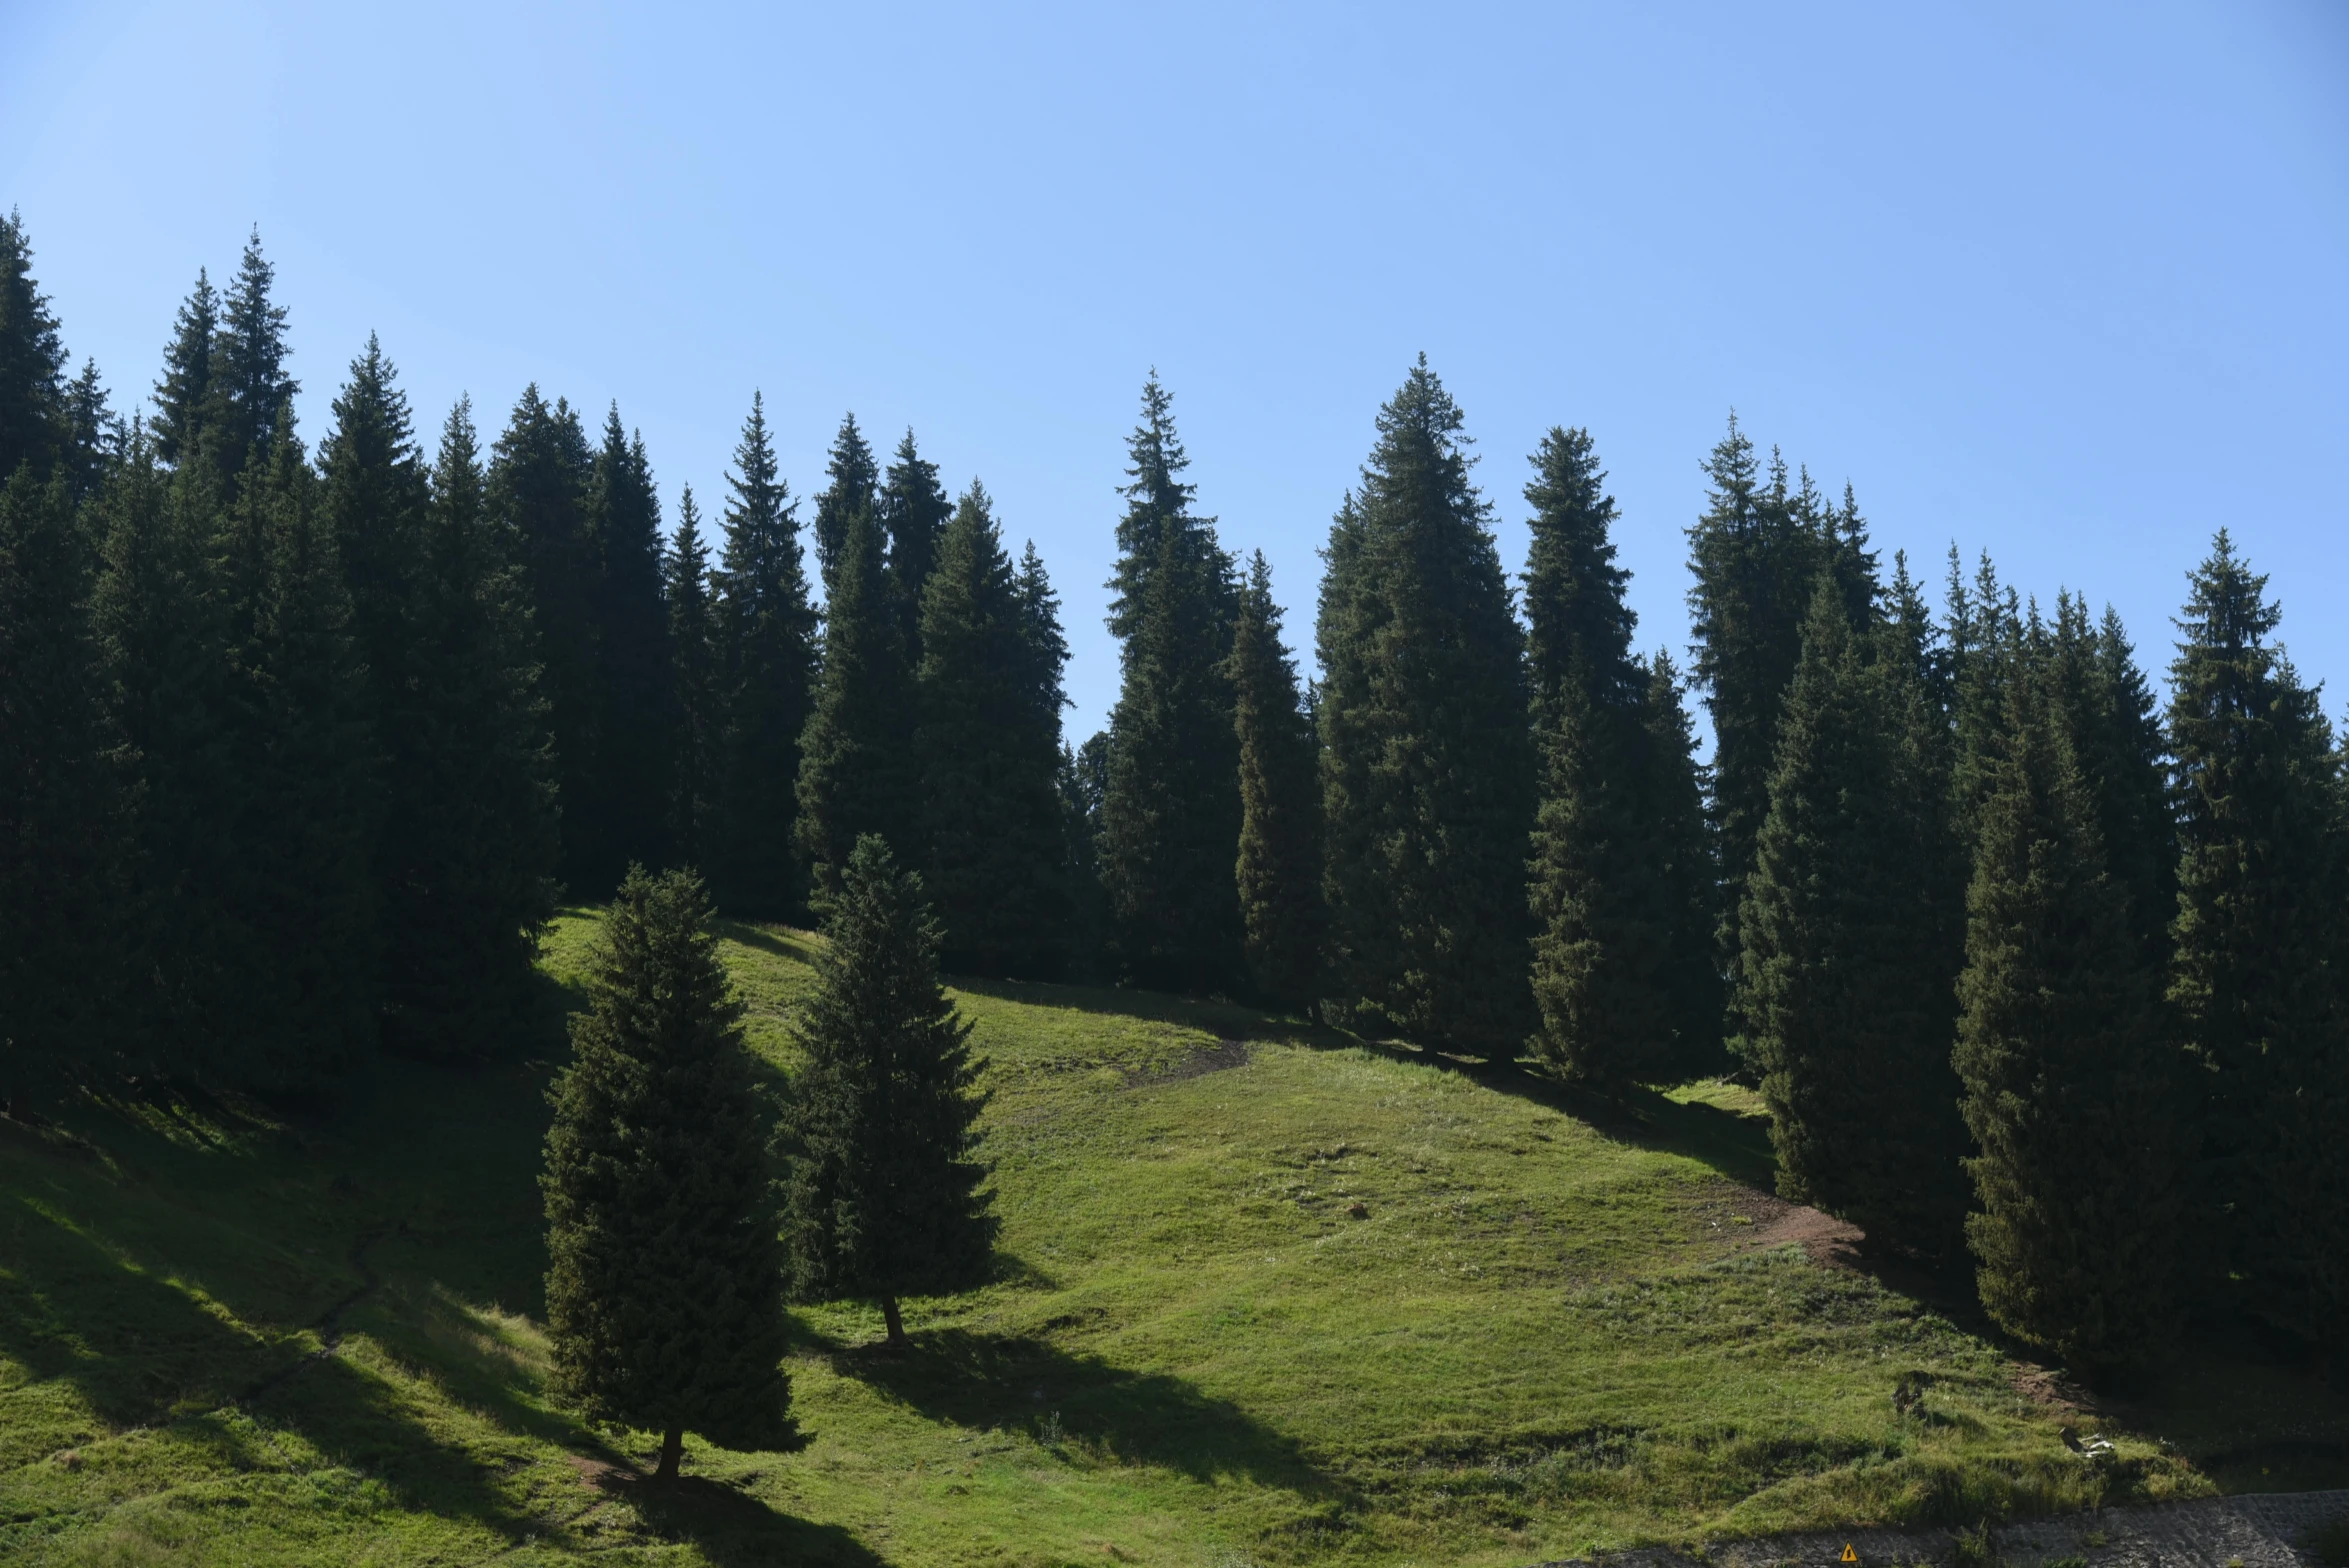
x=1269, y=1296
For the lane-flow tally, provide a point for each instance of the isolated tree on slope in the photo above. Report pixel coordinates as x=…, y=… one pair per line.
x=887, y=1192
x=664, y=1291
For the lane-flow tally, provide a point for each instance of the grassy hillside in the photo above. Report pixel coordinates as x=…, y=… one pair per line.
x=1269, y=1296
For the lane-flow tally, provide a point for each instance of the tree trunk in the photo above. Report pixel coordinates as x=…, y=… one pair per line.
x=672, y=1450
x=889, y=1312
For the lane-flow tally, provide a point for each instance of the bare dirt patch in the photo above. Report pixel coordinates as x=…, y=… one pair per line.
x=1745, y=1218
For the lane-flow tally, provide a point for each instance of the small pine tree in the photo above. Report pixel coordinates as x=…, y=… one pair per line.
x=637, y=721
x=1279, y=870
x=183, y=398
x=887, y=1194
x=2064, y=1061
x=853, y=481
x=538, y=489
x=1427, y=757
x=2257, y=971
x=767, y=658
x=914, y=508
x=700, y=712
x=1170, y=822
x=665, y=1285
x=856, y=761
x=32, y=361
x=988, y=748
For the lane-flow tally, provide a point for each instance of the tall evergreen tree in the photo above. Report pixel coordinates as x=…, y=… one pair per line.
x=61, y=817
x=1279, y=866
x=2257, y=974
x=914, y=509
x=1687, y=868
x=988, y=749
x=767, y=658
x=32, y=361
x=1083, y=780
x=853, y=483
x=857, y=772
x=95, y=437
x=474, y=885
x=538, y=492
x=1849, y=944
x=637, y=724
x=887, y=1196
x=1427, y=760
x=664, y=1286
x=695, y=677
x=1170, y=822
x=1756, y=560
x=2063, y=1057
x=251, y=395
x=183, y=398
x=1603, y=918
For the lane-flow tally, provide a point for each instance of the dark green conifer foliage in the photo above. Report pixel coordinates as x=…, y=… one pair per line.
x=32, y=361
x=1756, y=560
x=2115, y=729
x=853, y=483
x=1984, y=638
x=61, y=818
x=695, y=676
x=857, y=772
x=1084, y=779
x=887, y=1190
x=474, y=886
x=988, y=747
x=95, y=436
x=1850, y=946
x=183, y=398
x=665, y=1282
x=2256, y=976
x=1603, y=918
x=1279, y=868
x=2066, y=1067
x=251, y=396
x=1687, y=869
x=1170, y=822
x=538, y=494
x=636, y=729
x=914, y=508
x=1427, y=757
x=767, y=657
x=307, y=788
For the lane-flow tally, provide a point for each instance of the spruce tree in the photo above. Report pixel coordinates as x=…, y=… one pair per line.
x=1756, y=560
x=987, y=745
x=250, y=394
x=853, y=481
x=1083, y=779
x=1427, y=759
x=694, y=676
x=2257, y=971
x=95, y=437
x=665, y=1280
x=183, y=398
x=1603, y=918
x=856, y=761
x=61, y=812
x=2066, y=1067
x=538, y=493
x=887, y=1194
x=1279, y=868
x=475, y=885
x=767, y=658
x=1850, y=944
x=1170, y=822
x=636, y=725
x=32, y=361
x=1686, y=866
x=914, y=508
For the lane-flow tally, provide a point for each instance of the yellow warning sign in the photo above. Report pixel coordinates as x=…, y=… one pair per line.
x=1849, y=1555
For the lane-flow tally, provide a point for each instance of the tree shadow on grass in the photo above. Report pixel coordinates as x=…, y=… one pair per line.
x=1082, y=1405
x=731, y=1527
x=781, y=941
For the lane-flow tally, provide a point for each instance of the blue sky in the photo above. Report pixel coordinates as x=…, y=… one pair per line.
x=2069, y=283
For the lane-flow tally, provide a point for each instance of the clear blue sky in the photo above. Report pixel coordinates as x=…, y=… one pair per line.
x=2067, y=282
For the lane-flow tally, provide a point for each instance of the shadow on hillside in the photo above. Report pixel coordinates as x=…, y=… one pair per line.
x=1015, y=1384
x=781, y=941
x=731, y=1527
x=1225, y=1019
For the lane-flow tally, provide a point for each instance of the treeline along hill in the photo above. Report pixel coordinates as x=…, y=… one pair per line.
x=299, y=746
